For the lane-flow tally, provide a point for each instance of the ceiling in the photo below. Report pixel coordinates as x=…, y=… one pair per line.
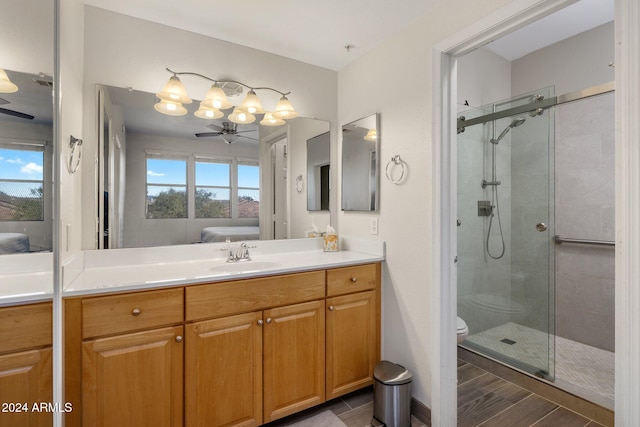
x=317, y=32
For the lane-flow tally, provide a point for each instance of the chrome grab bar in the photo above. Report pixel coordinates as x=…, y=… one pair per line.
x=559, y=240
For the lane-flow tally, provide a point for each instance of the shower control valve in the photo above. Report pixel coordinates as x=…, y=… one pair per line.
x=485, y=208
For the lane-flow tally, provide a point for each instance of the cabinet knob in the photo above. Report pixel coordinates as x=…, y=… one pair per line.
x=260, y=322
x=354, y=279
x=331, y=308
x=136, y=312
x=268, y=320
x=179, y=338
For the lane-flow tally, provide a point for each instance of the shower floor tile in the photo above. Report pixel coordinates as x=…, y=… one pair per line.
x=580, y=369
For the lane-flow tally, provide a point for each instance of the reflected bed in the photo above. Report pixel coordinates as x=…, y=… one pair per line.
x=220, y=234
x=12, y=243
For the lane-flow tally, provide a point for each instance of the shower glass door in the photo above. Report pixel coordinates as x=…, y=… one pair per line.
x=505, y=233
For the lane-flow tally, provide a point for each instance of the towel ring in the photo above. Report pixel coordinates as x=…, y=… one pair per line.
x=299, y=184
x=395, y=161
x=73, y=144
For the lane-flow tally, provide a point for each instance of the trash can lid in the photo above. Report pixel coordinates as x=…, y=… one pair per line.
x=391, y=373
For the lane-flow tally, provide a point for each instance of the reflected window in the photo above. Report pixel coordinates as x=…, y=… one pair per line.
x=248, y=190
x=22, y=182
x=213, y=189
x=166, y=187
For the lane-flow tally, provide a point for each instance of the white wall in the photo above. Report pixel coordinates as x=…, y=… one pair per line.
x=369, y=85
x=587, y=64
x=128, y=52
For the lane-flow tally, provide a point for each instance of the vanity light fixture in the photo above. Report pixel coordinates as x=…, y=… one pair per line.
x=174, y=94
x=372, y=135
x=6, y=85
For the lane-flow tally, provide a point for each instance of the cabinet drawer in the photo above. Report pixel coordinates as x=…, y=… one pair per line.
x=241, y=296
x=351, y=279
x=25, y=326
x=129, y=312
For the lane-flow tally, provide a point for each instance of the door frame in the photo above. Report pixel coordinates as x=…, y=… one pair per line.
x=443, y=304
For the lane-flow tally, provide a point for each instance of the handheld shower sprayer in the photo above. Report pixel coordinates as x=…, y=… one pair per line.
x=514, y=124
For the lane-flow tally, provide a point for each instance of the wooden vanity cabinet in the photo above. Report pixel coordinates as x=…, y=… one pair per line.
x=223, y=371
x=25, y=365
x=236, y=353
x=133, y=377
x=253, y=368
x=353, y=328
x=294, y=359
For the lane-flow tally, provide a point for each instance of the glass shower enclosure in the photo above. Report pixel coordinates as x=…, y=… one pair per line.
x=505, y=266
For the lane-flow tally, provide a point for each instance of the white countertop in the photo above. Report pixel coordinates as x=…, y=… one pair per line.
x=28, y=278
x=110, y=279
x=138, y=269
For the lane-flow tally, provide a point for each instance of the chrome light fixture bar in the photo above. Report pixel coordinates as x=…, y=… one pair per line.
x=174, y=95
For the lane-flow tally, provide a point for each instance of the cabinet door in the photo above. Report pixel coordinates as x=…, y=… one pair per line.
x=223, y=372
x=351, y=342
x=293, y=359
x=133, y=379
x=25, y=380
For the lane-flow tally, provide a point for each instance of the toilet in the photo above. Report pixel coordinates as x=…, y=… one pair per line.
x=463, y=330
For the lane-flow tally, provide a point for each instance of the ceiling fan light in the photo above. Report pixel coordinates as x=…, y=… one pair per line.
x=241, y=117
x=284, y=109
x=170, y=108
x=6, y=85
x=216, y=98
x=174, y=91
x=372, y=135
x=208, y=113
x=252, y=104
x=269, y=120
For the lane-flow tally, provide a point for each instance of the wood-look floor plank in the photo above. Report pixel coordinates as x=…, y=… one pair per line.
x=562, y=417
x=468, y=372
x=490, y=405
x=478, y=387
x=522, y=414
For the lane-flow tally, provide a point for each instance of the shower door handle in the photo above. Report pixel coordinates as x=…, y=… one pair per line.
x=541, y=227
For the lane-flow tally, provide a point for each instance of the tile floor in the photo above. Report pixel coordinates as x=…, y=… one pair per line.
x=580, y=369
x=483, y=400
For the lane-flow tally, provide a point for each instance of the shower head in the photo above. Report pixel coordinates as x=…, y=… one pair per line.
x=514, y=124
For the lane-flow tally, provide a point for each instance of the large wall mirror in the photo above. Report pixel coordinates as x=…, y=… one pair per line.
x=361, y=164
x=26, y=149
x=167, y=180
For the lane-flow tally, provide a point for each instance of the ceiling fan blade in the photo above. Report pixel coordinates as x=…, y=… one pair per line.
x=246, y=137
x=208, y=134
x=215, y=127
x=243, y=131
x=16, y=114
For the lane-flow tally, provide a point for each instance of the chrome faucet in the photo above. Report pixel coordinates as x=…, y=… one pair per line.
x=241, y=253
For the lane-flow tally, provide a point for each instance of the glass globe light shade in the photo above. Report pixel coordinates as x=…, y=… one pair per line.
x=170, y=108
x=174, y=91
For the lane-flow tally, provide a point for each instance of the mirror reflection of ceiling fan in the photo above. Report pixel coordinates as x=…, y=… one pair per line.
x=229, y=132
x=12, y=112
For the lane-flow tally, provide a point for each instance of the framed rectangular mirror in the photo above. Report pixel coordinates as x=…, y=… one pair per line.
x=361, y=164
x=181, y=180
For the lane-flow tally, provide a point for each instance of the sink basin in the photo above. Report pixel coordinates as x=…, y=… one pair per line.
x=245, y=266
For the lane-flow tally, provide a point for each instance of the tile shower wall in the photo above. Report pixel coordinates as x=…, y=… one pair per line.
x=585, y=210
x=477, y=273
